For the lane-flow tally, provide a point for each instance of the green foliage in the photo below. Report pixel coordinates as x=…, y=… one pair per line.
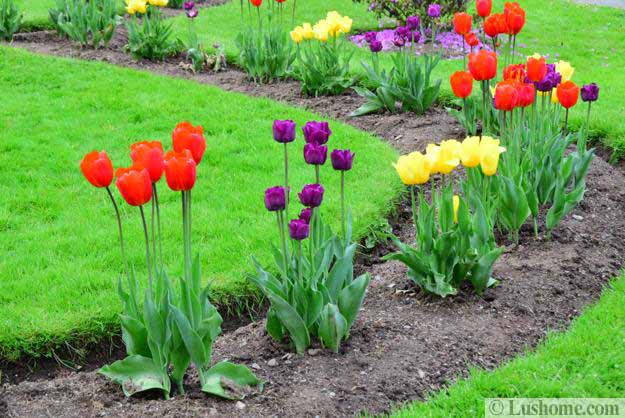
x=195, y=50
x=323, y=67
x=408, y=82
x=175, y=4
x=401, y=9
x=90, y=23
x=379, y=232
x=150, y=39
x=266, y=53
x=447, y=252
x=315, y=293
x=10, y=19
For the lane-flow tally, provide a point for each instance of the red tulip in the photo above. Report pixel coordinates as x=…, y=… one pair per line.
x=97, y=168
x=514, y=72
x=149, y=155
x=483, y=65
x=187, y=136
x=506, y=96
x=568, y=93
x=515, y=17
x=135, y=185
x=491, y=27
x=462, y=23
x=502, y=25
x=461, y=83
x=536, y=69
x=256, y=3
x=180, y=170
x=484, y=7
x=526, y=93
x=471, y=39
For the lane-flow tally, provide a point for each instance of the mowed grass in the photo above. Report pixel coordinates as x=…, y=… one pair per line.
x=58, y=239
x=584, y=362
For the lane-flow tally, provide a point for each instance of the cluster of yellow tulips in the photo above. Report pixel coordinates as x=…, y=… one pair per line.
x=141, y=6
x=331, y=27
x=416, y=168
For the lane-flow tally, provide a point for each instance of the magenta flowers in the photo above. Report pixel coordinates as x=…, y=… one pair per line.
x=375, y=46
x=412, y=22
x=316, y=132
x=283, y=131
x=298, y=229
x=434, y=10
x=311, y=195
x=305, y=215
x=342, y=159
x=315, y=154
x=590, y=92
x=188, y=5
x=275, y=198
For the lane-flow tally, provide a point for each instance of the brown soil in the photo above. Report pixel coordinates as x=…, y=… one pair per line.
x=404, y=344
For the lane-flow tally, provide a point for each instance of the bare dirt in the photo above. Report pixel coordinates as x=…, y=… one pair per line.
x=404, y=344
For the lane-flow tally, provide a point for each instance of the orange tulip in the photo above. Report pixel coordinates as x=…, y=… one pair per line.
x=471, y=39
x=515, y=17
x=461, y=83
x=491, y=27
x=568, y=93
x=462, y=23
x=149, y=155
x=526, y=94
x=134, y=184
x=536, y=69
x=484, y=7
x=506, y=96
x=97, y=168
x=180, y=170
x=483, y=65
x=256, y=3
x=514, y=72
x=187, y=136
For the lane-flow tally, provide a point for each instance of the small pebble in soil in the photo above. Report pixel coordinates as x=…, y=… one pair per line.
x=240, y=405
x=255, y=366
x=272, y=363
x=578, y=218
x=313, y=351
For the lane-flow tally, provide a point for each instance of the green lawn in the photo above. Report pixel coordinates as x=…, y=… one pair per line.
x=586, y=361
x=58, y=237
x=35, y=12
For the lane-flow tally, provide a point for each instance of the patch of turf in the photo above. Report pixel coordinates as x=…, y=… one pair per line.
x=584, y=362
x=60, y=258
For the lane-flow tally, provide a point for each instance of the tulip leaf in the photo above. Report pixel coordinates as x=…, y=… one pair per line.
x=137, y=374
x=350, y=299
x=332, y=327
x=192, y=340
x=292, y=321
x=228, y=380
x=135, y=336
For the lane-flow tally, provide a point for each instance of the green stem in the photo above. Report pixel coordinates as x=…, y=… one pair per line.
x=317, y=174
x=343, y=226
x=566, y=122
x=414, y=208
x=282, y=239
x=286, y=179
x=158, y=223
x=153, y=229
x=147, y=246
x=119, y=227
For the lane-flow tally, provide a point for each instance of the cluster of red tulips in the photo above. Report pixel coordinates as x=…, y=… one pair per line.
x=137, y=183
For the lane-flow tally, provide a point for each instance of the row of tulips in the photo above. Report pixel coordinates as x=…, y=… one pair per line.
x=165, y=330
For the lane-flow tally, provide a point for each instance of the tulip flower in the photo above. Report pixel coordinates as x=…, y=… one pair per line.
x=462, y=23
x=189, y=137
x=342, y=159
x=305, y=215
x=514, y=72
x=461, y=84
x=483, y=65
x=506, y=96
x=311, y=195
x=568, y=93
x=136, y=6
x=372, y=36
x=484, y=7
x=321, y=31
x=491, y=27
x=375, y=46
x=315, y=154
x=149, y=155
x=413, y=169
x=412, y=22
x=399, y=41
x=275, y=199
x=134, y=185
x=256, y=3
x=456, y=204
x=297, y=34
x=307, y=31
x=192, y=14
x=515, y=17
x=590, y=92
x=526, y=94
x=188, y=5
x=283, y=130
x=97, y=168
x=298, y=230
x=434, y=10
x=470, y=152
x=536, y=69
x=565, y=69
x=471, y=39
x=180, y=170
x=489, y=156
x=316, y=132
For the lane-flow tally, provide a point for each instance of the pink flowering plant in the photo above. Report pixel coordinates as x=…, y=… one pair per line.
x=313, y=293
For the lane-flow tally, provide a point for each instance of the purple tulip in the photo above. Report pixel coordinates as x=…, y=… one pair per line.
x=399, y=41
x=549, y=82
x=375, y=46
x=412, y=22
x=371, y=36
x=590, y=92
x=298, y=229
x=305, y=215
x=434, y=10
x=315, y=154
x=402, y=31
x=192, y=14
x=283, y=131
x=342, y=159
x=188, y=5
x=275, y=198
x=316, y=132
x=311, y=195
x=416, y=35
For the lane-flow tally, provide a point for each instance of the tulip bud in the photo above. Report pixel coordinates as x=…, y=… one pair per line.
x=311, y=195
x=134, y=185
x=316, y=132
x=305, y=215
x=342, y=159
x=590, y=92
x=434, y=10
x=298, y=229
x=97, y=169
x=188, y=137
x=315, y=154
x=283, y=130
x=180, y=170
x=275, y=198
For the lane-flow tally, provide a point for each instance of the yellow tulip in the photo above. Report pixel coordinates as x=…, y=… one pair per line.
x=136, y=6
x=470, y=153
x=346, y=24
x=456, y=200
x=307, y=31
x=447, y=156
x=565, y=69
x=535, y=55
x=554, y=94
x=297, y=34
x=489, y=159
x=158, y=3
x=320, y=31
x=413, y=169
